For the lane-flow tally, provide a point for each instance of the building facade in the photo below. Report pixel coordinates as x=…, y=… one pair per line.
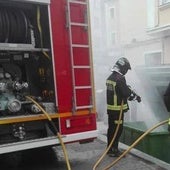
x=139, y=32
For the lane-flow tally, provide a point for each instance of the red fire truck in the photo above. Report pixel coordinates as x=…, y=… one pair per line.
x=45, y=53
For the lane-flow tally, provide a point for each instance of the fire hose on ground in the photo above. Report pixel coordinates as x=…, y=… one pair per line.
x=56, y=130
x=135, y=143
x=105, y=152
x=114, y=136
x=130, y=147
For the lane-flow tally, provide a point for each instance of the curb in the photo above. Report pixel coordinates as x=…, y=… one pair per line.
x=134, y=151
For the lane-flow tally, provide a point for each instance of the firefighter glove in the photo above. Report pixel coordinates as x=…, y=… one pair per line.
x=138, y=98
x=132, y=97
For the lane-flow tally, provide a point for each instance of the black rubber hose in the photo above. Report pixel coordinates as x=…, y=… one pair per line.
x=1, y=27
x=7, y=25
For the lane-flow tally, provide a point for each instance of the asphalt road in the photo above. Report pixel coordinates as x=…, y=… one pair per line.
x=81, y=156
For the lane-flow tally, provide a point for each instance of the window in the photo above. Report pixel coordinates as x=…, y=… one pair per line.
x=162, y=2
x=153, y=58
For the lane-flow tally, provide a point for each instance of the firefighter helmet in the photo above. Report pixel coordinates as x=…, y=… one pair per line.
x=123, y=65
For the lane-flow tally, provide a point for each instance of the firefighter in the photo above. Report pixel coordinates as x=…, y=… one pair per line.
x=167, y=102
x=117, y=91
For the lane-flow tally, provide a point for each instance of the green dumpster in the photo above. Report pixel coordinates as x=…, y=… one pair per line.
x=156, y=144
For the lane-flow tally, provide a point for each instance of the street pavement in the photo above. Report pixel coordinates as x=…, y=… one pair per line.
x=84, y=157
x=135, y=159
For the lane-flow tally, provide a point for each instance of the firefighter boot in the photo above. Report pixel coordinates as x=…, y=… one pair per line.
x=114, y=153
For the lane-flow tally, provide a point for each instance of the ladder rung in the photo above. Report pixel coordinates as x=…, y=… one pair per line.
x=84, y=107
x=81, y=66
x=82, y=87
x=79, y=24
x=78, y=2
x=80, y=45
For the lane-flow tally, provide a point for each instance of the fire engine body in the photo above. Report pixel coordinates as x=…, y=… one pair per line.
x=45, y=53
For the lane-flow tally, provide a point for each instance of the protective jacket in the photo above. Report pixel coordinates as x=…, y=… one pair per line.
x=117, y=90
x=167, y=98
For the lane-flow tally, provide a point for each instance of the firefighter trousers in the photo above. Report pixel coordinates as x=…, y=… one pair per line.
x=112, y=125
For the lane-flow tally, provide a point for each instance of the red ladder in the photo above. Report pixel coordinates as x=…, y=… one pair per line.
x=80, y=52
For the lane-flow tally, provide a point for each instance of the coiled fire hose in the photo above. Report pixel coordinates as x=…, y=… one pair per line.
x=56, y=130
x=114, y=136
x=135, y=143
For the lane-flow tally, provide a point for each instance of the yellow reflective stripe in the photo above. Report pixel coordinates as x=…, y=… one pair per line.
x=115, y=100
x=118, y=122
x=111, y=82
x=169, y=122
x=114, y=89
x=113, y=107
